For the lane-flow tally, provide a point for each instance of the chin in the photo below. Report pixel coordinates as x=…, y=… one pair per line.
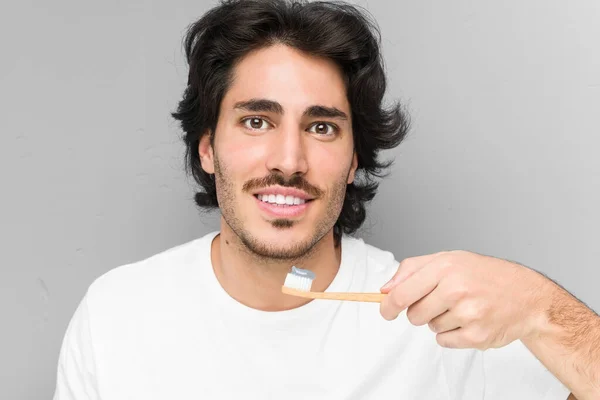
x=282, y=231
x=283, y=239
x=281, y=250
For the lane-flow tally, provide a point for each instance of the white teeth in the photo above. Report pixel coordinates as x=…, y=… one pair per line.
x=280, y=199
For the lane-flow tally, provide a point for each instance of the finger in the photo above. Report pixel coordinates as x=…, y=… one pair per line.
x=404, y=294
x=469, y=337
x=445, y=322
x=453, y=339
x=406, y=268
x=428, y=308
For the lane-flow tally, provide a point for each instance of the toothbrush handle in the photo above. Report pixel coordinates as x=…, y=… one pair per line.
x=346, y=296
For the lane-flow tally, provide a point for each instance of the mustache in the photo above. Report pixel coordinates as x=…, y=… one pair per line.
x=296, y=182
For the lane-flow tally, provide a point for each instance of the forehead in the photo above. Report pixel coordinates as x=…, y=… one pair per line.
x=294, y=79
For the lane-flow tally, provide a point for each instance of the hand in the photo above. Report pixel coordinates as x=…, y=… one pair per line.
x=469, y=300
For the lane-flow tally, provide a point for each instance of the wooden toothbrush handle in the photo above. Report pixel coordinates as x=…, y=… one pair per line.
x=346, y=296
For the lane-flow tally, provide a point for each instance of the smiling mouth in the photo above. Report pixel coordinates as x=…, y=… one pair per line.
x=281, y=200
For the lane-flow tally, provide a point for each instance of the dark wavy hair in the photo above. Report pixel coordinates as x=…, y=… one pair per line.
x=332, y=29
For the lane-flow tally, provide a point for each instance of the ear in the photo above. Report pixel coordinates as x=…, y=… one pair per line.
x=353, y=167
x=205, y=151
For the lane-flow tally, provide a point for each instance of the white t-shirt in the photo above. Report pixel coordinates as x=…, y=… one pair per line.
x=164, y=328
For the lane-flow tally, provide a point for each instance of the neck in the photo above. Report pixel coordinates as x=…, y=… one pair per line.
x=256, y=281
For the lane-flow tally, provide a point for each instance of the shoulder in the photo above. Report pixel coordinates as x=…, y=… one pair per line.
x=146, y=280
x=375, y=256
x=372, y=262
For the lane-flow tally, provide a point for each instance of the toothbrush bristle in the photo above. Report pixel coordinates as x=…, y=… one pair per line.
x=299, y=279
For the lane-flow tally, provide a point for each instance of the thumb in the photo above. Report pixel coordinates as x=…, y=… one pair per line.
x=406, y=268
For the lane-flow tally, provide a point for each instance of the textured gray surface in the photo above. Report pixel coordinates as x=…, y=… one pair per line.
x=505, y=99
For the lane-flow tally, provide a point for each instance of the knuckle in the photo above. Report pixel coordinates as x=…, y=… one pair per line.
x=471, y=311
x=412, y=313
x=407, y=263
x=453, y=259
x=455, y=295
x=449, y=266
x=477, y=336
x=446, y=261
x=433, y=326
x=459, y=291
x=396, y=299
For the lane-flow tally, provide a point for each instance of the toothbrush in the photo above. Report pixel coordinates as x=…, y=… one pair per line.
x=299, y=281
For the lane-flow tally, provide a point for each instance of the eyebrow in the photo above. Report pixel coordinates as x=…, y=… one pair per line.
x=264, y=105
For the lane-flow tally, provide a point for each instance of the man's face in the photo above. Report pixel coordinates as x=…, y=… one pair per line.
x=284, y=135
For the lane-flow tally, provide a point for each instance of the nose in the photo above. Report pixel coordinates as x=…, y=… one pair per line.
x=287, y=153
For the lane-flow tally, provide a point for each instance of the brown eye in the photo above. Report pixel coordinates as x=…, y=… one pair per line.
x=322, y=128
x=255, y=123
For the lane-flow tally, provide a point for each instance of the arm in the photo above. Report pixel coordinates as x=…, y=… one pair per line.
x=489, y=303
x=566, y=339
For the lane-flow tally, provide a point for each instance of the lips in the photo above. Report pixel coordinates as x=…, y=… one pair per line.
x=279, y=208
x=282, y=202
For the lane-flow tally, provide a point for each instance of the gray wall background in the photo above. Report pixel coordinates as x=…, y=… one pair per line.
x=503, y=156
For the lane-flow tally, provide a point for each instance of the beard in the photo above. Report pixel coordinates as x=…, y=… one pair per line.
x=231, y=212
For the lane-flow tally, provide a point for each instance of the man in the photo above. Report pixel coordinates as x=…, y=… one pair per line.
x=283, y=123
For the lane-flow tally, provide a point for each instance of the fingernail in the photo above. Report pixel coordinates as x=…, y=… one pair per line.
x=392, y=282
x=387, y=285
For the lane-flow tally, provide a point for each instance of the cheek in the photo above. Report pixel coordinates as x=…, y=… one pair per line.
x=329, y=162
x=241, y=157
